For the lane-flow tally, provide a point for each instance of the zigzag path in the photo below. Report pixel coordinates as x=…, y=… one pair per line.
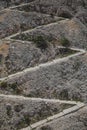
x=78, y=105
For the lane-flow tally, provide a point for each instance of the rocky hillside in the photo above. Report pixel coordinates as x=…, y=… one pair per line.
x=43, y=64
x=61, y=8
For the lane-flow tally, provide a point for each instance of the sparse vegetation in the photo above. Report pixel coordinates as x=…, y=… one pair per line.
x=77, y=97
x=40, y=42
x=46, y=128
x=18, y=107
x=29, y=95
x=9, y=110
x=65, y=14
x=52, y=15
x=64, y=94
x=16, y=90
x=3, y=85
x=65, y=42
x=8, y=3
x=27, y=118
x=13, y=86
x=1, y=58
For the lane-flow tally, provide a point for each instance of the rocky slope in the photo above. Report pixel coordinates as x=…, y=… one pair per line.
x=22, y=113
x=58, y=7
x=75, y=121
x=43, y=54
x=13, y=21
x=73, y=30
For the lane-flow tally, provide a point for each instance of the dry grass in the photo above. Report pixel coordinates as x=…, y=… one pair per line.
x=4, y=49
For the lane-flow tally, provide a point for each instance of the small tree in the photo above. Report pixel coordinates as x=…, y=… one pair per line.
x=40, y=42
x=8, y=3
x=23, y=26
x=1, y=57
x=65, y=42
x=3, y=85
x=52, y=15
x=47, y=127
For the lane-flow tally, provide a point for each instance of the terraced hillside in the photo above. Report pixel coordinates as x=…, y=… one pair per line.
x=43, y=65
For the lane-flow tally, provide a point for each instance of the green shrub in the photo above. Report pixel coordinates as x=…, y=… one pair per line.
x=9, y=110
x=16, y=89
x=40, y=42
x=13, y=86
x=77, y=97
x=1, y=58
x=52, y=15
x=64, y=94
x=65, y=14
x=47, y=127
x=65, y=42
x=3, y=84
x=27, y=118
